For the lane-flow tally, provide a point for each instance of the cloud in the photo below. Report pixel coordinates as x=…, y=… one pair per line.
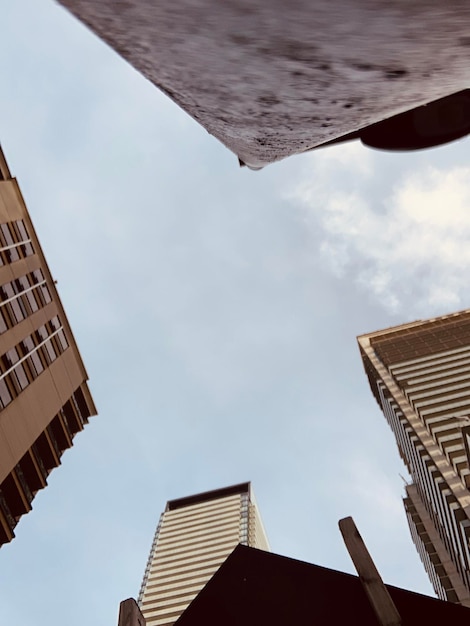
x=405, y=242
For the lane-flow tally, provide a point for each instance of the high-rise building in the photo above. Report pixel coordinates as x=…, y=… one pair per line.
x=44, y=398
x=419, y=374
x=193, y=538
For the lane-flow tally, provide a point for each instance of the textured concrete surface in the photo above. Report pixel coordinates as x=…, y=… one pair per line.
x=273, y=78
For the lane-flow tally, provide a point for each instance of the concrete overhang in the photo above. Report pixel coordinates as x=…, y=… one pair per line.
x=272, y=78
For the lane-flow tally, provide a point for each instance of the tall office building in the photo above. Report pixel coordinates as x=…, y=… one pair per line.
x=419, y=374
x=44, y=398
x=194, y=537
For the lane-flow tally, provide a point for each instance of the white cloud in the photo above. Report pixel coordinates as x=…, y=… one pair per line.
x=407, y=245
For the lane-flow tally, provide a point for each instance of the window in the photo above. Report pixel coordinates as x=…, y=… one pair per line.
x=7, y=291
x=34, y=358
x=15, y=242
x=54, y=323
x=23, y=236
x=38, y=276
x=28, y=345
x=45, y=294
x=25, y=362
x=11, y=357
x=21, y=378
x=32, y=302
x=49, y=349
x=5, y=395
x=61, y=338
x=21, y=228
x=27, y=249
x=20, y=298
x=9, y=243
x=3, y=323
x=19, y=311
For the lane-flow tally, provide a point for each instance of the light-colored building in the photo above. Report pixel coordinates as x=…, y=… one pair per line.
x=419, y=374
x=193, y=538
x=44, y=397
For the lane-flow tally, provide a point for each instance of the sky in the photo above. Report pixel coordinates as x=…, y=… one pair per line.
x=216, y=310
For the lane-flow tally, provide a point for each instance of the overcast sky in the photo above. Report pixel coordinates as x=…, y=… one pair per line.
x=216, y=310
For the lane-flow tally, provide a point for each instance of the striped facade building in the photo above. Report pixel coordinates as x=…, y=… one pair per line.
x=44, y=396
x=193, y=538
x=419, y=374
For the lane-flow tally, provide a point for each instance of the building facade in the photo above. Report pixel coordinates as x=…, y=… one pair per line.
x=194, y=537
x=44, y=397
x=419, y=374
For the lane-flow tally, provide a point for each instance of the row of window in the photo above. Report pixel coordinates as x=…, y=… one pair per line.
x=427, y=552
x=15, y=242
x=22, y=297
x=18, y=488
x=27, y=360
x=445, y=511
x=244, y=504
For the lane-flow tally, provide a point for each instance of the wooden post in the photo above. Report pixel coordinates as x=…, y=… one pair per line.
x=377, y=593
x=129, y=614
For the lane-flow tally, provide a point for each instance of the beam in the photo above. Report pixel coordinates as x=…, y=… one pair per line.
x=377, y=593
x=129, y=614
